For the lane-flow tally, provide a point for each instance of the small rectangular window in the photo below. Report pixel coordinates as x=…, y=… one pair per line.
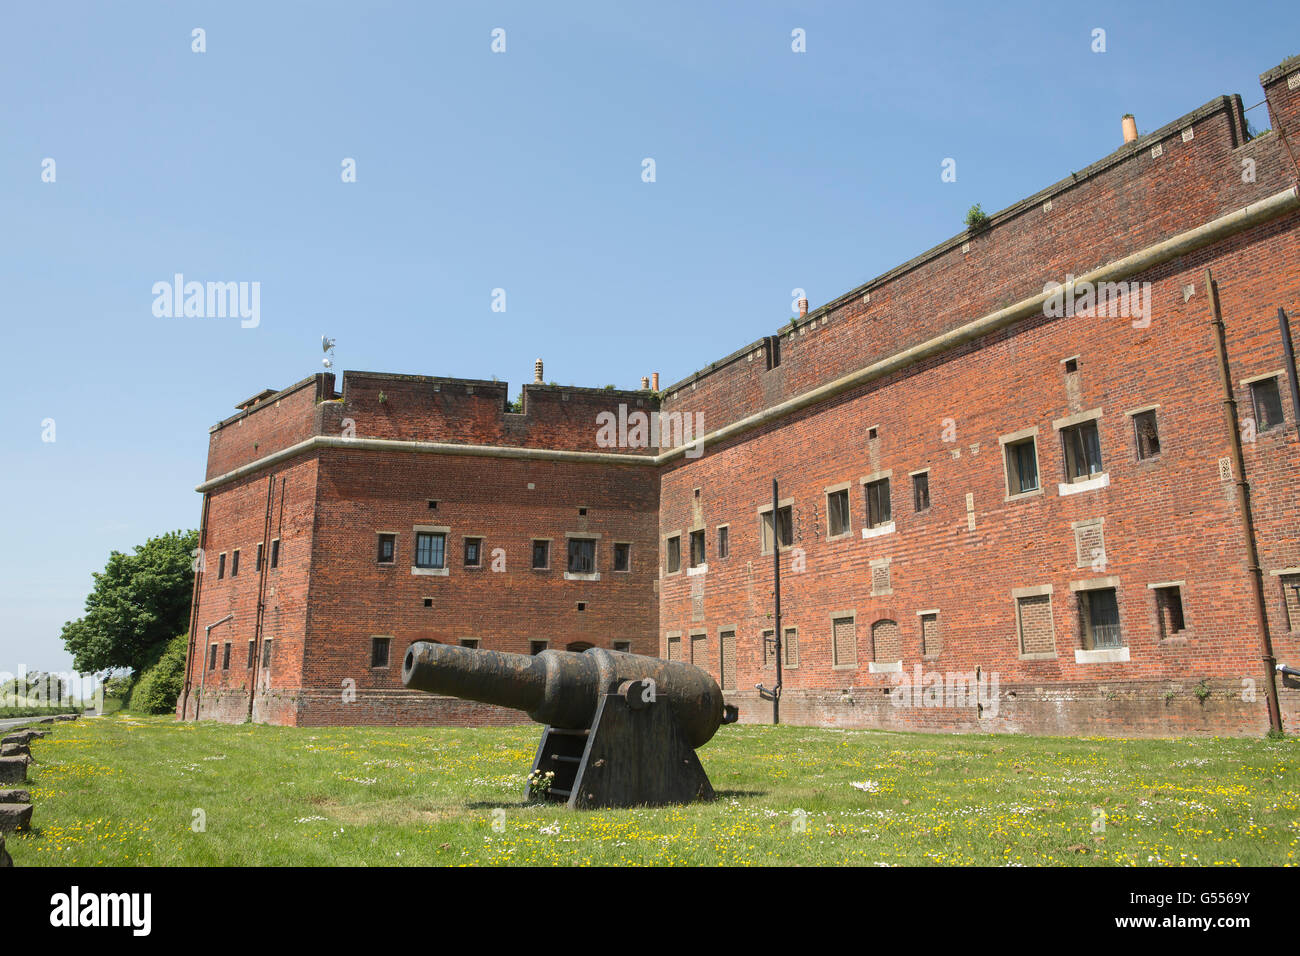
x=1291, y=599
x=430, y=549
x=1169, y=608
x=878, y=504
x=724, y=540
x=536, y=647
x=257, y=562
x=212, y=657
x=1265, y=397
x=221, y=566
x=582, y=555
x=252, y=653
x=697, y=548
x=837, y=512
x=275, y=553
x=790, y=647
x=1146, y=435
x=266, y=654
x=541, y=555
x=921, y=491
x=379, y=651
x=1022, y=467
x=623, y=647
x=473, y=552
x=234, y=563
x=387, y=549
x=469, y=642
x=1082, y=447
x=225, y=656
x=1099, y=612
x=844, y=641
x=785, y=528
x=622, y=556
x=673, y=554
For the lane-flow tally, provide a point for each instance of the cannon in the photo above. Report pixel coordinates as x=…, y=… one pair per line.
x=621, y=729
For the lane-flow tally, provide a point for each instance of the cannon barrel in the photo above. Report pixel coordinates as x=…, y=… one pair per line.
x=563, y=688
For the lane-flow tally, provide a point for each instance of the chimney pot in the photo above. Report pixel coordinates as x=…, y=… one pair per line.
x=537, y=371
x=654, y=381
x=1130, y=128
x=645, y=381
x=803, y=308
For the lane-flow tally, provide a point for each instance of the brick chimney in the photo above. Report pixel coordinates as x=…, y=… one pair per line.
x=537, y=371
x=803, y=308
x=654, y=381
x=1130, y=127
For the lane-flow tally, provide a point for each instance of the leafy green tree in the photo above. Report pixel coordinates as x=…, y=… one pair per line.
x=140, y=602
x=160, y=683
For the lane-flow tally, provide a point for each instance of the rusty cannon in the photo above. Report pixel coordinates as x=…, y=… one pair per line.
x=621, y=729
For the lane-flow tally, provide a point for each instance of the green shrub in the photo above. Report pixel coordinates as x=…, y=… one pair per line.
x=159, y=685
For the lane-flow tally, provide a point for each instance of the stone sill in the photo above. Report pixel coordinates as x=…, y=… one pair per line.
x=582, y=575
x=1108, y=655
x=432, y=572
x=881, y=667
x=1077, y=487
x=876, y=532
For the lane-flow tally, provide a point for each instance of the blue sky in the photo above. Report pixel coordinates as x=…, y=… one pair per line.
x=521, y=170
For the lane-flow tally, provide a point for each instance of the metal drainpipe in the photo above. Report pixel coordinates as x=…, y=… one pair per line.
x=207, y=640
x=1243, y=502
x=194, y=610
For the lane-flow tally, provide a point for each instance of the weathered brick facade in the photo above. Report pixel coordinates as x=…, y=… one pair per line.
x=1089, y=573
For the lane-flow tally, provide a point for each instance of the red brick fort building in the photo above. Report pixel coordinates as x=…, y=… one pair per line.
x=1055, y=458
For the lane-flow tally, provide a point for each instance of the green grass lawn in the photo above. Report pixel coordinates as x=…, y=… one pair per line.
x=125, y=790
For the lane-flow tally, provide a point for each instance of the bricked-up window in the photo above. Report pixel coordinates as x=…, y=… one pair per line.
x=221, y=566
x=275, y=553
x=536, y=647
x=785, y=524
x=473, y=552
x=675, y=648
x=1022, y=466
x=225, y=656
x=430, y=549
x=931, y=641
x=921, y=491
x=622, y=556
x=886, y=642
x=673, y=554
x=252, y=653
x=1169, y=609
x=700, y=650
x=837, y=512
x=1034, y=621
x=1265, y=397
x=727, y=649
x=212, y=657
x=234, y=563
x=1145, y=435
x=257, y=562
x=387, y=549
x=1099, y=617
x=844, y=641
x=724, y=540
x=266, y=654
x=1291, y=600
x=379, y=651
x=582, y=555
x=541, y=555
x=878, y=505
x=769, y=647
x=697, y=548
x=790, y=647
x=1082, y=451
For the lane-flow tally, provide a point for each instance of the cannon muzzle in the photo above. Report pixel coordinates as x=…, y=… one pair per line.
x=564, y=688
